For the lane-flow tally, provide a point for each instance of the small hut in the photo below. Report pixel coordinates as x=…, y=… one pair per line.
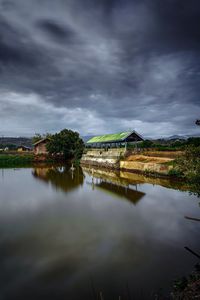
x=40, y=146
x=23, y=148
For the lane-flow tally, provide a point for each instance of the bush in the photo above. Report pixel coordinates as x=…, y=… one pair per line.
x=189, y=164
x=174, y=172
x=15, y=160
x=66, y=143
x=194, y=141
x=146, y=144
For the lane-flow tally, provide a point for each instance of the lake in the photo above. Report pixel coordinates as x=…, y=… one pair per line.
x=72, y=235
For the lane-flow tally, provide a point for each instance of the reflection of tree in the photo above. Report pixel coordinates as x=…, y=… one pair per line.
x=60, y=177
x=195, y=189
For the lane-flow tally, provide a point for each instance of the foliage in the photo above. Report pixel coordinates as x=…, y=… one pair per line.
x=180, y=284
x=165, y=148
x=175, y=172
x=189, y=163
x=15, y=160
x=189, y=166
x=146, y=144
x=9, y=146
x=171, y=145
x=187, y=287
x=37, y=137
x=193, y=141
x=67, y=143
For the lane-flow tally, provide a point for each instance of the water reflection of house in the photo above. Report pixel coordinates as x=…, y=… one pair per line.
x=60, y=177
x=126, y=192
x=112, y=182
x=130, y=178
x=40, y=146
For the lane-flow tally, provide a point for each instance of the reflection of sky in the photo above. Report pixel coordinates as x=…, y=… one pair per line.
x=61, y=239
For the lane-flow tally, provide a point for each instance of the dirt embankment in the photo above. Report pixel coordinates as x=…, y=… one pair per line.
x=160, y=162
x=151, y=161
x=166, y=154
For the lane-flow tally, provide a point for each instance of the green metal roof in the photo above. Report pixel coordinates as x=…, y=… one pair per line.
x=109, y=137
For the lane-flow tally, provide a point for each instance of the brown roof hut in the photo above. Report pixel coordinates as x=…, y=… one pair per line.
x=23, y=148
x=40, y=146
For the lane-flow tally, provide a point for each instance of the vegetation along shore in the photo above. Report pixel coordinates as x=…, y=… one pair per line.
x=172, y=158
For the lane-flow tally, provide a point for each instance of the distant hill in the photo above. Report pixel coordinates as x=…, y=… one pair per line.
x=177, y=137
x=181, y=137
x=17, y=141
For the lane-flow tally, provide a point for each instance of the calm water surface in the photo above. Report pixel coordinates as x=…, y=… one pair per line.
x=69, y=235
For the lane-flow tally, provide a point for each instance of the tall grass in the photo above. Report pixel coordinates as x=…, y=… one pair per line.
x=14, y=160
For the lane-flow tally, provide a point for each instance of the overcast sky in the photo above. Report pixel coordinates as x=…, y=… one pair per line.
x=99, y=66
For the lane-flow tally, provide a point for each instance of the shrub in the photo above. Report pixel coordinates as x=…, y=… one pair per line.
x=175, y=172
x=189, y=164
x=67, y=143
x=15, y=160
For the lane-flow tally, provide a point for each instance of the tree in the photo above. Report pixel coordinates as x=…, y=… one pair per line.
x=193, y=141
x=146, y=144
x=37, y=137
x=67, y=143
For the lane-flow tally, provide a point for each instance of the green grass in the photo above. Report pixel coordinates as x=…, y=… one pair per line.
x=168, y=163
x=14, y=160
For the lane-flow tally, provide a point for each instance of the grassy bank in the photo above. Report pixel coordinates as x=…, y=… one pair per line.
x=26, y=160
x=14, y=160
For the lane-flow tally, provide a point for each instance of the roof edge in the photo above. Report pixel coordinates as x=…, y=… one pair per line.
x=40, y=141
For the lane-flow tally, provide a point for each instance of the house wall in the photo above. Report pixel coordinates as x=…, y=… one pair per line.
x=22, y=150
x=40, y=148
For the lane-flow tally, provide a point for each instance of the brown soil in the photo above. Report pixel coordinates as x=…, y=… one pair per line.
x=149, y=159
x=168, y=154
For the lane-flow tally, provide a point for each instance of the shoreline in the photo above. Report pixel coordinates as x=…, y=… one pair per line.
x=133, y=171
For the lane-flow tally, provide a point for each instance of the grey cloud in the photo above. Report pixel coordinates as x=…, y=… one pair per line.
x=135, y=61
x=56, y=31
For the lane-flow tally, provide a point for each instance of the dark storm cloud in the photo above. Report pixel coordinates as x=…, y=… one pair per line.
x=56, y=31
x=11, y=50
x=129, y=64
